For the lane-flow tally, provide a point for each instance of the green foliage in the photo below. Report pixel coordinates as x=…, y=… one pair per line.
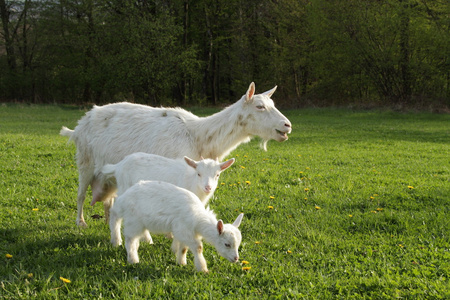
x=353, y=206
x=391, y=52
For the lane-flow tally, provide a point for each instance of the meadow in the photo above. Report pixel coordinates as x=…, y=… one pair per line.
x=355, y=205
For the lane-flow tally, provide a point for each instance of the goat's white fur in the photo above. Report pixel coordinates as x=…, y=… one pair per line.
x=161, y=208
x=106, y=134
x=199, y=177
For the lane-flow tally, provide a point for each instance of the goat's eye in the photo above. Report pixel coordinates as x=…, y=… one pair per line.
x=199, y=175
x=260, y=107
x=228, y=245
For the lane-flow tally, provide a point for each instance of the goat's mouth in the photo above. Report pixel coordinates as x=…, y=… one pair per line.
x=282, y=136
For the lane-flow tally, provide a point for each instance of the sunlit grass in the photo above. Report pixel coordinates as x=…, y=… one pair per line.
x=354, y=205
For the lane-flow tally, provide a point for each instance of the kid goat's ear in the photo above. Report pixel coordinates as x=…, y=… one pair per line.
x=226, y=164
x=238, y=220
x=220, y=226
x=190, y=162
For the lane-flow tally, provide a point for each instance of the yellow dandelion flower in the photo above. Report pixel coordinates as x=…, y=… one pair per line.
x=379, y=209
x=410, y=187
x=350, y=216
x=400, y=245
x=271, y=197
x=257, y=242
x=270, y=207
x=242, y=167
x=30, y=275
x=247, y=182
x=317, y=207
x=246, y=268
x=289, y=251
x=35, y=209
x=375, y=195
x=222, y=183
x=371, y=197
x=245, y=156
x=8, y=255
x=306, y=190
x=373, y=211
x=244, y=262
x=65, y=280
x=306, y=198
x=308, y=168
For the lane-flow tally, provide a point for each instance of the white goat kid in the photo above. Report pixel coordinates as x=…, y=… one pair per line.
x=106, y=134
x=161, y=208
x=199, y=177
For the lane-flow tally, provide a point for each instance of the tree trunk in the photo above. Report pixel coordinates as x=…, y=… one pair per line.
x=11, y=57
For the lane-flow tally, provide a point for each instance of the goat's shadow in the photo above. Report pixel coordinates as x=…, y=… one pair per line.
x=79, y=250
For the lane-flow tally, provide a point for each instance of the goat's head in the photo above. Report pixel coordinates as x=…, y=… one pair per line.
x=260, y=116
x=208, y=172
x=229, y=238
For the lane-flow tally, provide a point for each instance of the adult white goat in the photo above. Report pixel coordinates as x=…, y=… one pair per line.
x=199, y=177
x=162, y=207
x=106, y=134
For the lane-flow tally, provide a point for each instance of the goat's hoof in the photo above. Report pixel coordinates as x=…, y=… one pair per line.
x=82, y=224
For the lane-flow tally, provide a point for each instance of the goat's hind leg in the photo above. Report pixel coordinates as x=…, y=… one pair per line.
x=82, y=189
x=115, y=224
x=132, y=246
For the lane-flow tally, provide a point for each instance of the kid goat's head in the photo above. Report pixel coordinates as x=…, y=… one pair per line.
x=262, y=118
x=208, y=172
x=229, y=238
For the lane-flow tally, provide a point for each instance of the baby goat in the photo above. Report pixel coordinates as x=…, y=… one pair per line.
x=161, y=208
x=199, y=177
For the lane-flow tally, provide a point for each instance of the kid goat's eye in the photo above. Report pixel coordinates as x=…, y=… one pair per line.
x=227, y=245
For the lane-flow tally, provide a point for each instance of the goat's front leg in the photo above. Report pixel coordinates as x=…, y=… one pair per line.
x=199, y=259
x=180, y=251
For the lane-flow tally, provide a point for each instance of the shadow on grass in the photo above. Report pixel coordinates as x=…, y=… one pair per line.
x=78, y=255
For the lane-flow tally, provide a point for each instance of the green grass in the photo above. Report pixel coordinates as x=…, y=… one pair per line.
x=355, y=205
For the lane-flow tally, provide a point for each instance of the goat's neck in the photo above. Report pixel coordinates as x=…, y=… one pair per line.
x=222, y=132
x=207, y=228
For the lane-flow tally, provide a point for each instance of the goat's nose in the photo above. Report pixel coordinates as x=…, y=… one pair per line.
x=236, y=258
x=208, y=188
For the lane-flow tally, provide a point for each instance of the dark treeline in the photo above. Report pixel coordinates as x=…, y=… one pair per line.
x=184, y=52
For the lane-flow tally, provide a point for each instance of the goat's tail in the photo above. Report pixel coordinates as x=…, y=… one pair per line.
x=66, y=132
x=108, y=172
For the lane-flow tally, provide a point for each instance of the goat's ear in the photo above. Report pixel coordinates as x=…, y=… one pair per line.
x=238, y=220
x=226, y=164
x=269, y=93
x=190, y=162
x=250, y=92
x=220, y=226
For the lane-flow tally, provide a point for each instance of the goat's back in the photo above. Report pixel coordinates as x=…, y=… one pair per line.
x=113, y=131
x=143, y=166
x=161, y=207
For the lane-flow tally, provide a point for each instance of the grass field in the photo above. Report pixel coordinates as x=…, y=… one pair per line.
x=355, y=205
